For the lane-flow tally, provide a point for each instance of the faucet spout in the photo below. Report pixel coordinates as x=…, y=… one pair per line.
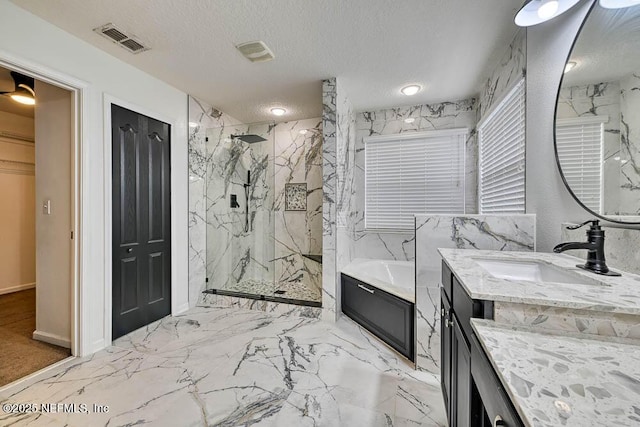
x=574, y=245
x=594, y=247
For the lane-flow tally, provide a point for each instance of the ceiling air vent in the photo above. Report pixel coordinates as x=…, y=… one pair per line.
x=255, y=51
x=119, y=37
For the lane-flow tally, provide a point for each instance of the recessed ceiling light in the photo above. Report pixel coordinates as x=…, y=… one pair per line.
x=303, y=131
x=570, y=66
x=277, y=111
x=410, y=90
x=538, y=11
x=193, y=125
x=409, y=120
x=618, y=4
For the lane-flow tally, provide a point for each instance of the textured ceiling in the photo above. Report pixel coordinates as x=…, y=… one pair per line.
x=374, y=46
x=607, y=47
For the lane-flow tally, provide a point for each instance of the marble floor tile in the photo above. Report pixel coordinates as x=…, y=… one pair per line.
x=230, y=367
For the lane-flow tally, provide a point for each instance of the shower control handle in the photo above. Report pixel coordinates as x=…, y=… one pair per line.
x=371, y=291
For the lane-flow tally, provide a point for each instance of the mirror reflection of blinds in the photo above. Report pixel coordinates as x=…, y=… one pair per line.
x=579, y=145
x=501, y=139
x=410, y=174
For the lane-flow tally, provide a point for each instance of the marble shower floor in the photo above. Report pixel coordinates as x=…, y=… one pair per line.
x=230, y=367
x=290, y=290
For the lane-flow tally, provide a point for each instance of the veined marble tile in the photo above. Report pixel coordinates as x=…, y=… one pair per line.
x=241, y=367
x=506, y=73
x=213, y=300
x=497, y=232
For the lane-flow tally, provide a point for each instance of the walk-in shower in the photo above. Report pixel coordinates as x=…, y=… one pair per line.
x=256, y=248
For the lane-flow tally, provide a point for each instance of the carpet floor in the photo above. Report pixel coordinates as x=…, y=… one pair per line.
x=20, y=354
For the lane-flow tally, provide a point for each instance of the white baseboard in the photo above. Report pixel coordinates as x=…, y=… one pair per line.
x=17, y=288
x=52, y=339
x=180, y=309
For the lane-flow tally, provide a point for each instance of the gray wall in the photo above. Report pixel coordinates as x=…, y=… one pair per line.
x=548, y=46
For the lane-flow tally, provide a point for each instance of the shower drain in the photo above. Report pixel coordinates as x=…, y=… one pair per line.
x=279, y=292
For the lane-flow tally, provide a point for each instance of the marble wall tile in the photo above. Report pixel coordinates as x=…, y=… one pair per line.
x=329, y=186
x=354, y=240
x=494, y=232
x=502, y=76
x=277, y=308
x=568, y=320
x=202, y=116
x=620, y=248
x=630, y=145
x=298, y=159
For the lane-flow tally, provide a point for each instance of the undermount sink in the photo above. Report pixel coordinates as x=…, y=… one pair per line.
x=531, y=271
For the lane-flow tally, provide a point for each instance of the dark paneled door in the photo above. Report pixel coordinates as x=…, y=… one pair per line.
x=141, y=220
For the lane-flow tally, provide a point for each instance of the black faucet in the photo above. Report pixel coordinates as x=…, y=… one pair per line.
x=594, y=246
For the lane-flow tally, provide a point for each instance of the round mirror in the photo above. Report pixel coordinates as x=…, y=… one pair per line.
x=597, y=122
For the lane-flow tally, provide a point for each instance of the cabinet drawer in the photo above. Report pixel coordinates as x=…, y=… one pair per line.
x=385, y=315
x=492, y=393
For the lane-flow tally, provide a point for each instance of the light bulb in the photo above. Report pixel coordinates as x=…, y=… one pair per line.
x=23, y=99
x=410, y=90
x=547, y=9
x=570, y=66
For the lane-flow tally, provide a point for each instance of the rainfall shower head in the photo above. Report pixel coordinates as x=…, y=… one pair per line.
x=249, y=138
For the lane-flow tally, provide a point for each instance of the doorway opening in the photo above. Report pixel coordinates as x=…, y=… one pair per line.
x=37, y=222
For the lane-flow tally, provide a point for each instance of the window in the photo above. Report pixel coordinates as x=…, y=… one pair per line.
x=410, y=174
x=501, y=138
x=579, y=144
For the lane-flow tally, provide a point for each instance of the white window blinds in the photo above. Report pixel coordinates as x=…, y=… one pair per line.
x=579, y=145
x=501, y=139
x=409, y=174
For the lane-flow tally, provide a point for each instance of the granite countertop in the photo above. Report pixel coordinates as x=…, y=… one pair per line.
x=565, y=380
x=614, y=294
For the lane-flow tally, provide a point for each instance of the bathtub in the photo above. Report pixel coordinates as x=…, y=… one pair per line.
x=396, y=277
x=380, y=296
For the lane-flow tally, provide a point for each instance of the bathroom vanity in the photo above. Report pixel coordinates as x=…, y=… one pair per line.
x=531, y=339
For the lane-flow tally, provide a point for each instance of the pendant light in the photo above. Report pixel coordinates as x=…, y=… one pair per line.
x=23, y=92
x=538, y=11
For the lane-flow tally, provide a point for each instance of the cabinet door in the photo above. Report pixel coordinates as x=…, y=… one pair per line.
x=460, y=378
x=445, y=351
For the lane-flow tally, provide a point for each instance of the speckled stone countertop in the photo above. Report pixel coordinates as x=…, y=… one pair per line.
x=565, y=380
x=613, y=294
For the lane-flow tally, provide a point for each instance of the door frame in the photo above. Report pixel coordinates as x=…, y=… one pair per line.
x=109, y=99
x=79, y=109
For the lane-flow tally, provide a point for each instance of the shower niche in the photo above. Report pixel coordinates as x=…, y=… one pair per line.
x=255, y=248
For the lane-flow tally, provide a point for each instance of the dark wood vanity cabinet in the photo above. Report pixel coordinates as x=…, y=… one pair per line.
x=472, y=393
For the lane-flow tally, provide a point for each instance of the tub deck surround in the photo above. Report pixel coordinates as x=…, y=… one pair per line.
x=394, y=277
x=238, y=367
x=499, y=232
x=615, y=295
x=565, y=379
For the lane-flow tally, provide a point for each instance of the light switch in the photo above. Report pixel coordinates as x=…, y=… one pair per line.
x=46, y=207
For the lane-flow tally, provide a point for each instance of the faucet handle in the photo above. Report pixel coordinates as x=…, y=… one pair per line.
x=594, y=224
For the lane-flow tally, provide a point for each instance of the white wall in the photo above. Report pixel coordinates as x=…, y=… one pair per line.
x=17, y=205
x=548, y=46
x=53, y=240
x=28, y=41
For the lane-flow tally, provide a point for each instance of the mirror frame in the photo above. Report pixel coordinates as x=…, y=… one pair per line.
x=555, y=116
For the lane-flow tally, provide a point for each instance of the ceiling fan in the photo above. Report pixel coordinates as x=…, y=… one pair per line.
x=23, y=92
